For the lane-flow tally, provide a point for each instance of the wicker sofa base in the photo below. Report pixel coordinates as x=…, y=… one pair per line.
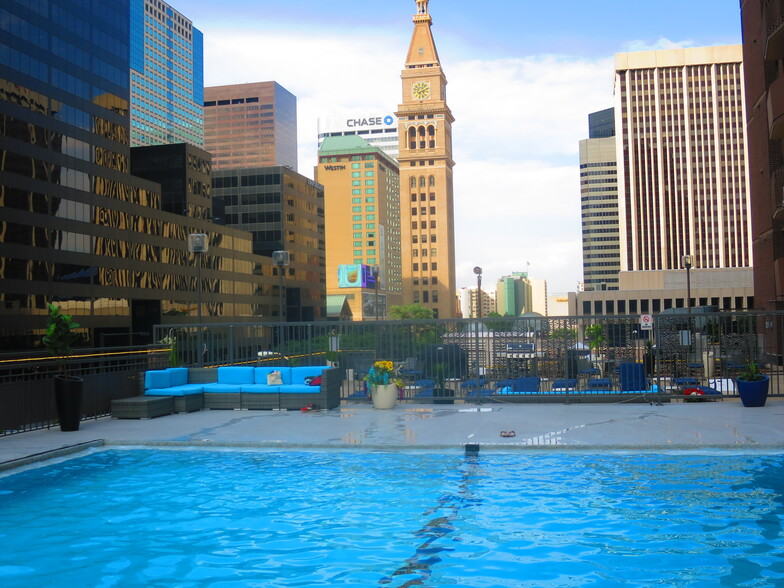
x=142, y=407
x=188, y=403
x=265, y=401
x=222, y=400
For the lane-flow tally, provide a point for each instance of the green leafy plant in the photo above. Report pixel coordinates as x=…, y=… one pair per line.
x=439, y=374
x=751, y=373
x=171, y=341
x=595, y=336
x=60, y=336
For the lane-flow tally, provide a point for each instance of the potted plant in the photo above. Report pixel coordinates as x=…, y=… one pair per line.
x=649, y=357
x=441, y=394
x=383, y=384
x=752, y=386
x=59, y=340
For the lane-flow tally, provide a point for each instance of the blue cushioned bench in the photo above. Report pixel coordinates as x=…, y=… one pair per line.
x=245, y=387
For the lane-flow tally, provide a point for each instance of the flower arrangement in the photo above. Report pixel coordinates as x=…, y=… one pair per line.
x=382, y=373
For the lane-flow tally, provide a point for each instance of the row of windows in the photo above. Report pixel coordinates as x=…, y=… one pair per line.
x=426, y=296
x=604, y=307
x=433, y=266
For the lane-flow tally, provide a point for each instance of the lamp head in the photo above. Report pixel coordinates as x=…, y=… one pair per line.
x=478, y=271
x=687, y=261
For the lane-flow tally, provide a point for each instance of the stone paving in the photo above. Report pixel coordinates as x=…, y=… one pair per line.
x=704, y=425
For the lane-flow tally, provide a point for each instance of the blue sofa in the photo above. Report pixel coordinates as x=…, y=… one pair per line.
x=244, y=387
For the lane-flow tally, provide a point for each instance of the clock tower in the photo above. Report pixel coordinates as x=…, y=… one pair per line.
x=426, y=196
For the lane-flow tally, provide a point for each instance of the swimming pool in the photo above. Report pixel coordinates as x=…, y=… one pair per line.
x=138, y=516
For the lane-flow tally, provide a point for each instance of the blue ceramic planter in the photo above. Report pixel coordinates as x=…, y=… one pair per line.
x=754, y=393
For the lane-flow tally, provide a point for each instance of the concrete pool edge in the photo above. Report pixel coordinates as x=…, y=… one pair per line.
x=485, y=449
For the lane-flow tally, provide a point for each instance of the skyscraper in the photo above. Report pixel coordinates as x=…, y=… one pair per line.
x=167, y=76
x=682, y=170
x=362, y=206
x=75, y=227
x=599, y=203
x=250, y=125
x=427, y=207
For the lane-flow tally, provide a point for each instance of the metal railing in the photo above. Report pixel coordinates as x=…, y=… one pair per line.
x=460, y=360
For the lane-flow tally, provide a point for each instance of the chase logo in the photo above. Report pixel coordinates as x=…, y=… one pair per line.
x=388, y=120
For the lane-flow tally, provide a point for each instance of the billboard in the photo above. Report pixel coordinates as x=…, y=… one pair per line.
x=355, y=275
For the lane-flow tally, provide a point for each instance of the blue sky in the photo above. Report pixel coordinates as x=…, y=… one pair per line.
x=523, y=77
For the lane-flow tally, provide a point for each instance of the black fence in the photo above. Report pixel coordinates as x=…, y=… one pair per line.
x=465, y=360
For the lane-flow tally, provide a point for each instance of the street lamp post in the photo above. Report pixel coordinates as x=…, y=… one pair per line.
x=478, y=272
x=281, y=259
x=688, y=262
x=198, y=244
x=374, y=271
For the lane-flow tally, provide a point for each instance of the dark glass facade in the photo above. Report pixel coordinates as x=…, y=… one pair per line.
x=75, y=227
x=283, y=210
x=601, y=124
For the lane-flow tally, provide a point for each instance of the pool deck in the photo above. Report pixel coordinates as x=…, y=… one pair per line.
x=699, y=425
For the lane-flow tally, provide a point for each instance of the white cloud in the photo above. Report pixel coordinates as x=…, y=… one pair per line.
x=518, y=124
x=660, y=43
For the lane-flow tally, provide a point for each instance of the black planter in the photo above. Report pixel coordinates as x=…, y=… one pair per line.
x=68, y=398
x=443, y=396
x=648, y=360
x=753, y=393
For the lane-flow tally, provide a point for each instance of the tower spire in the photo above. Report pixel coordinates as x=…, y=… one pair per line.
x=422, y=51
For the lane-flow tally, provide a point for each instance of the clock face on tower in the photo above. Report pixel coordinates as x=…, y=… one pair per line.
x=420, y=90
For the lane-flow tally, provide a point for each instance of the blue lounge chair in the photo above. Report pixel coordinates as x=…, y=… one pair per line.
x=632, y=377
x=564, y=385
x=599, y=385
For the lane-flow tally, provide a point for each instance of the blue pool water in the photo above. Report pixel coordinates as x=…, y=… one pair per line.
x=142, y=517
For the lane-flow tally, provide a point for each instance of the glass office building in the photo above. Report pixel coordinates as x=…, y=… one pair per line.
x=167, y=76
x=75, y=227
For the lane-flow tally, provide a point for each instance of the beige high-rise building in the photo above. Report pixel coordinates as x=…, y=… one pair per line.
x=362, y=218
x=426, y=195
x=682, y=170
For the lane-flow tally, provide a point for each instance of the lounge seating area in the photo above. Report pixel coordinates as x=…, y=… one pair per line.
x=231, y=388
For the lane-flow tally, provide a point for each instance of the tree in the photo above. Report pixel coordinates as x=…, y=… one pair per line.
x=410, y=311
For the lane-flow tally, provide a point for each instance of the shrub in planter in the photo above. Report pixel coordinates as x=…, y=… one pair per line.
x=59, y=340
x=752, y=386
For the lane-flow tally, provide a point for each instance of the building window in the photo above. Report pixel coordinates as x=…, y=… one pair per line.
x=413, y=183
x=356, y=217
x=356, y=201
x=357, y=243
x=369, y=174
x=432, y=181
x=425, y=296
x=355, y=165
x=424, y=267
x=435, y=296
x=356, y=209
x=356, y=191
x=356, y=174
x=416, y=296
x=356, y=182
x=355, y=227
x=413, y=212
x=357, y=252
x=434, y=279
x=432, y=224
x=370, y=208
x=415, y=267
x=370, y=190
x=370, y=225
x=434, y=266
x=415, y=253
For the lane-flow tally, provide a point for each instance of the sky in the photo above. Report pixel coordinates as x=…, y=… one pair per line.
x=523, y=75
